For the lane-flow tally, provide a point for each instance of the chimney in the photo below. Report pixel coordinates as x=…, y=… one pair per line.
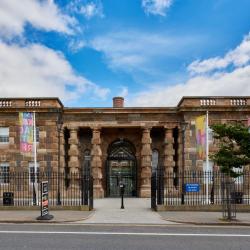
x=118, y=102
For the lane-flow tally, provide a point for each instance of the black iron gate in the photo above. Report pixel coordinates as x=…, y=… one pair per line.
x=153, y=191
x=121, y=168
x=157, y=189
x=87, y=191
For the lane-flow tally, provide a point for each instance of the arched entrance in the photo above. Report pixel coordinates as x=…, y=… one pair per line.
x=121, y=166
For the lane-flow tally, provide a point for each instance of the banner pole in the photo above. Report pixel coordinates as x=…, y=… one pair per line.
x=35, y=155
x=207, y=162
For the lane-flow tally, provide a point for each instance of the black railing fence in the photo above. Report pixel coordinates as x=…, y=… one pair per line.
x=23, y=189
x=198, y=188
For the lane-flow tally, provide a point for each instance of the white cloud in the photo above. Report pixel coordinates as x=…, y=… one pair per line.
x=91, y=9
x=123, y=92
x=156, y=7
x=76, y=45
x=45, y=15
x=238, y=57
x=222, y=82
x=88, y=9
x=137, y=51
x=36, y=70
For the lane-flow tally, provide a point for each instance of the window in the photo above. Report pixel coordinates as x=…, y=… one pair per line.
x=239, y=179
x=87, y=158
x=210, y=136
x=32, y=172
x=37, y=134
x=4, y=135
x=208, y=173
x=155, y=159
x=4, y=173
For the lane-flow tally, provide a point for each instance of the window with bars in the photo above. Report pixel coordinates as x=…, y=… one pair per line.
x=208, y=177
x=37, y=134
x=155, y=159
x=239, y=179
x=32, y=172
x=4, y=135
x=4, y=173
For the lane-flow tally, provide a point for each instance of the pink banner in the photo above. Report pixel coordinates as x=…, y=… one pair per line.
x=26, y=132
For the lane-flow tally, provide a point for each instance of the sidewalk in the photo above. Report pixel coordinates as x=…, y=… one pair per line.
x=204, y=218
x=24, y=216
x=137, y=212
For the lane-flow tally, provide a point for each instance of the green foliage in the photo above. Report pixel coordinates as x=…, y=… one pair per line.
x=234, y=147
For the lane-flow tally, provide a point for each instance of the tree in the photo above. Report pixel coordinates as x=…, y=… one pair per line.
x=234, y=148
x=233, y=153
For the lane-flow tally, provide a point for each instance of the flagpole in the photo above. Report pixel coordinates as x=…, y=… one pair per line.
x=35, y=155
x=207, y=162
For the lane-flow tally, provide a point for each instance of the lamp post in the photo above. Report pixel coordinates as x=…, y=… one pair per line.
x=183, y=130
x=59, y=129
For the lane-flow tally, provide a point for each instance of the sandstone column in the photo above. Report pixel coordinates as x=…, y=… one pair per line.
x=168, y=161
x=73, y=151
x=96, y=163
x=62, y=151
x=146, y=163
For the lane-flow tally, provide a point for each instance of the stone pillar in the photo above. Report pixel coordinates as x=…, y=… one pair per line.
x=146, y=164
x=180, y=151
x=168, y=161
x=73, y=151
x=187, y=143
x=62, y=152
x=96, y=163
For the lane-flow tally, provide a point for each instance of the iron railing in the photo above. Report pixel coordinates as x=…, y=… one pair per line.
x=198, y=188
x=75, y=189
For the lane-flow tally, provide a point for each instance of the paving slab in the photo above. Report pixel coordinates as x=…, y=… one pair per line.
x=136, y=211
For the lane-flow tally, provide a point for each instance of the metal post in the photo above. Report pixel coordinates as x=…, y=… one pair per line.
x=122, y=203
x=122, y=189
x=35, y=184
x=207, y=162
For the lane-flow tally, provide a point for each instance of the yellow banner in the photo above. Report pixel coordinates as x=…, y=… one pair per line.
x=200, y=127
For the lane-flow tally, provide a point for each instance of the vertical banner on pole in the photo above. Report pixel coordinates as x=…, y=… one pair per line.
x=26, y=132
x=200, y=127
x=248, y=124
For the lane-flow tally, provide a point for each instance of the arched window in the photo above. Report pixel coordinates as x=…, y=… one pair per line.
x=155, y=160
x=87, y=158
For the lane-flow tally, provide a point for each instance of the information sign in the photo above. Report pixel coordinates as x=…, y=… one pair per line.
x=192, y=187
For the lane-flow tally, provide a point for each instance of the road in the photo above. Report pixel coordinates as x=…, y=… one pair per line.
x=48, y=236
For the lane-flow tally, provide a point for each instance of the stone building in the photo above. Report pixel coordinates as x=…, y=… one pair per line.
x=113, y=143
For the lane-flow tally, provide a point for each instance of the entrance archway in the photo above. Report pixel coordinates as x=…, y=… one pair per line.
x=121, y=167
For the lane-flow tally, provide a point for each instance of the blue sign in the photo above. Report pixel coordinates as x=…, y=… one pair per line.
x=192, y=187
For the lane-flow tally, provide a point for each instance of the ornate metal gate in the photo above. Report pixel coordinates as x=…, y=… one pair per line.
x=121, y=167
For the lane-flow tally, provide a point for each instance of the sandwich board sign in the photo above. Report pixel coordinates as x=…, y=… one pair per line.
x=45, y=202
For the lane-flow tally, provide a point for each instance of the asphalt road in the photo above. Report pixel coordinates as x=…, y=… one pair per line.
x=123, y=237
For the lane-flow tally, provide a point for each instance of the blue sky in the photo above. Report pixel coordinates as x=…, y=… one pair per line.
x=152, y=52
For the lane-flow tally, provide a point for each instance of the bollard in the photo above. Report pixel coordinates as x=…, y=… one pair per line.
x=122, y=189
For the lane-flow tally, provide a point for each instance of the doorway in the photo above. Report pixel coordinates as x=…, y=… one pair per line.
x=121, y=167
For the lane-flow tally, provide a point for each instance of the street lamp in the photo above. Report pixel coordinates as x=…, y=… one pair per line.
x=59, y=129
x=183, y=130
